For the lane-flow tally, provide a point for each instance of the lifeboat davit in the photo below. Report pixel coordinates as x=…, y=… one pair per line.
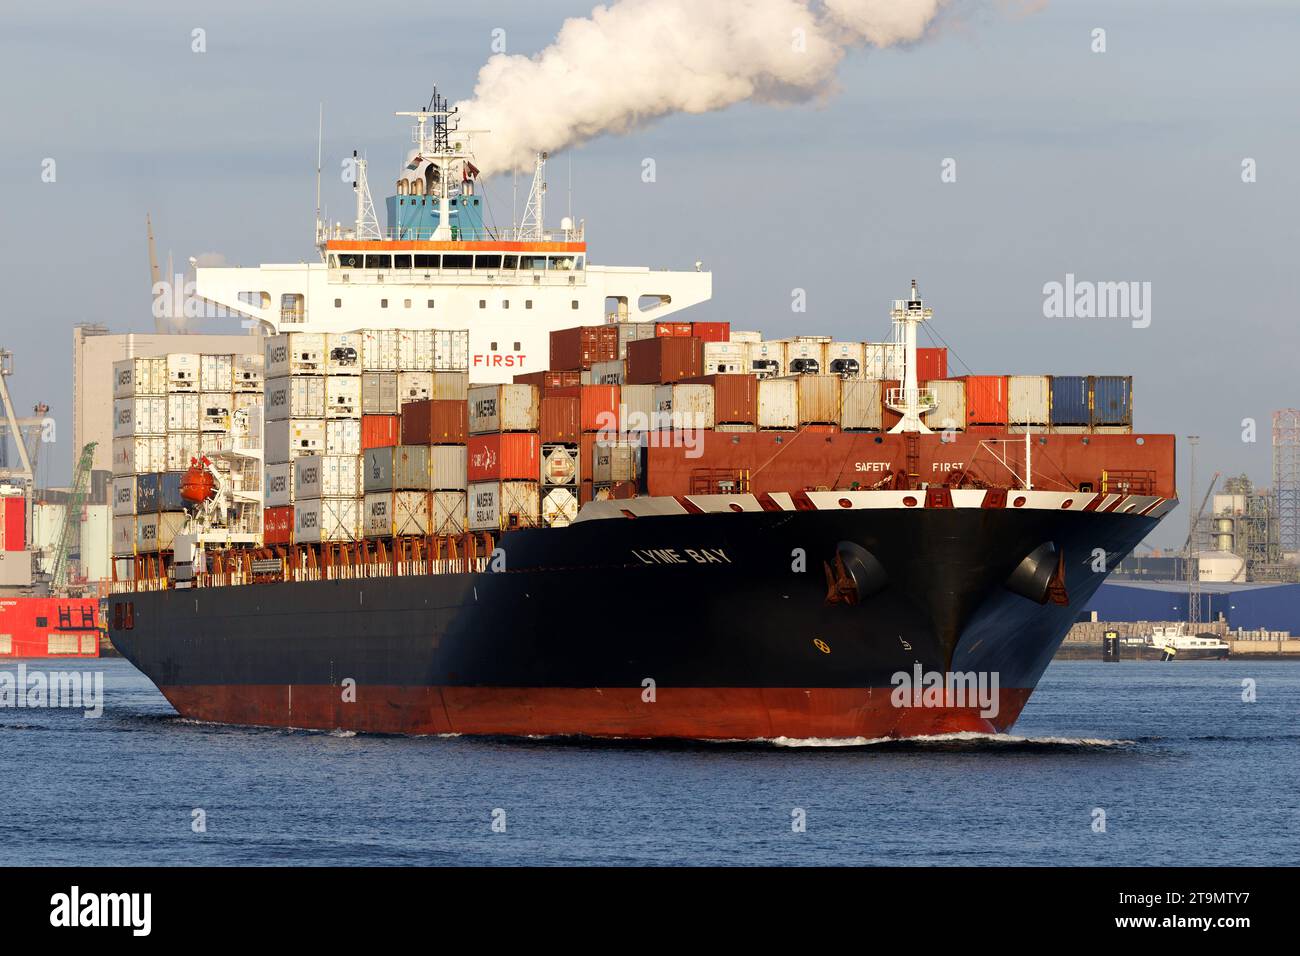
x=197, y=484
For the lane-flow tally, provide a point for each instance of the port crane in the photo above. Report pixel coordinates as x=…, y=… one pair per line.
x=72, y=520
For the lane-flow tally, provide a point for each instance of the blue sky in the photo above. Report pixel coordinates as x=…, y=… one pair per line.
x=1117, y=166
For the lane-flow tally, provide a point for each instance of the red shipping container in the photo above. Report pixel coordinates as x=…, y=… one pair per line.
x=735, y=397
x=600, y=408
x=561, y=419
x=443, y=421
x=15, y=523
x=585, y=492
x=549, y=380
x=680, y=330
x=579, y=347
x=931, y=363
x=510, y=456
x=664, y=360
x=277, y=525
x=711, y=331
x=380, y=431
x=986, y=399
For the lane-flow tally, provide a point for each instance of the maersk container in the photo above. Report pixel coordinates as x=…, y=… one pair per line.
x=135, y=454
x=182, y=412
x=298, y=396
x=157, y=532
x=398, y=468
x=123, y=540
x=637, y=409
x=447, y=512
x=1070, y=400
x=559, y=507
x=139, y=377
x=860, y=405
x=216, y=372
x=160, y=491
x=294, y=353
x=326, y=476
x=949, y=413
x=294, y=438
x=685, y=406
x=415, y=350
x=343, y=436
x=343, y=396
x=609, y=373
x=379, y=393
x=818, y=399
x=326, y=519
x=380, y=350
x=279, y=485
x=181, y=448
x=778, y=403
x=124, y=496
x=248, y=373
x=216, y=410
x=724, y=358
x=503, y=505
x=450, y=384
x=766, y=359
x=343, y=353
x=503, y=408
x=386, y=514
x=1029, y=399
x=612, y=462
x=1112, y=400
x=139, y=416
x=414, y=387
x=183, y=372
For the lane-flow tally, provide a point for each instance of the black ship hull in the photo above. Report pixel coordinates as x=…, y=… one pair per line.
x=699, y=626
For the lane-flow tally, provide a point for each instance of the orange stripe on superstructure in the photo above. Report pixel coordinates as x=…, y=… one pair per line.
x=419, y=245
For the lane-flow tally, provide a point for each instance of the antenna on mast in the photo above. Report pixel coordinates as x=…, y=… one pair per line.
x=320, y=137
x=533, y=226
x=367, y=225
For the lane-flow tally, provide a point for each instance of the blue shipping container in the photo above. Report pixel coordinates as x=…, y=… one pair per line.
x=1112, y=400
x=1070, y=400
x=159, y=492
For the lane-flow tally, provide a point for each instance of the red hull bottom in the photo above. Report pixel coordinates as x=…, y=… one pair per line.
x=731, y=713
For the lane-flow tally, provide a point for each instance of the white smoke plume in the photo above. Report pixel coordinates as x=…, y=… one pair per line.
x=637, y=60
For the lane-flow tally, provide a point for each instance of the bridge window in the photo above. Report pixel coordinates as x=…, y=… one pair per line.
x=379, y=262
x=510, y=263
x=492, y=263
x=401, y=262
x=350, y=260
x=533, y=263
x=426, y=262
x=458, y=262
x=562, y=263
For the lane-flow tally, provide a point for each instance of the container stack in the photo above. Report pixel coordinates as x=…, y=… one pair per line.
x=504, y=465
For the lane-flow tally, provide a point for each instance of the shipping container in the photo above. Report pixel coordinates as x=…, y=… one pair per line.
x=508, y=456
x=615, y=461
x=765, y=359
x=1029, y=399
x=398, y=468
x=447, y=512
x=503, y=505
x=664, y=360
x=450, y=353
x=385, y=514
x=123, y=543
x=448, y=385
x=805, y=355
x=277, y=525
x=343, y=396
x=724, y=358
x=123, y=496
x=379, y=393
x=582, y=346
x=343, y=353
x=818, y=399
x=637, y=408
x=215, y=412
x=136, y=455
x=415, y=350
x=380, y=350
x=860, y=405
x=299, y=396
x=685, y=406
x=883, y=360
x=326, y=519
x=160, y=491
x=447, y=467
x=216, y=372
x=778, y=403
x=157, y=531
x=294, y=438
x=1112, y=400
x=986, y=399
x=435, y=422
x=182, y=412
x=1070, y=400
x=735, y=397
x=294, y=353
x=599, y=407
x=414, y=387
x=931, y=363
x=550, y=380
x=279, y=484
x=139, y=416
x=343, y=436
x=949, y=413
x=711, y=331
x=559, y=507
x=182, y=447
x=326, y=476
x=844, y=359
x=183, y=372
x=609, y=373
x=560, y=465
x=503, y=408
x=138, y=377
x=381, y=431
x=248, y=373
x=632, y=332
x=673, y=330
x=560, y=419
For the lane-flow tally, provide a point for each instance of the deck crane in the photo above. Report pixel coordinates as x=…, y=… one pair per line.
x=72, y=519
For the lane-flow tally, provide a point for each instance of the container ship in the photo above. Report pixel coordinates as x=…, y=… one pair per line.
x=505, y=491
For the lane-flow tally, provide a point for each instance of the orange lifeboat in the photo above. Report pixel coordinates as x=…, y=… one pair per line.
x=197, y=484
